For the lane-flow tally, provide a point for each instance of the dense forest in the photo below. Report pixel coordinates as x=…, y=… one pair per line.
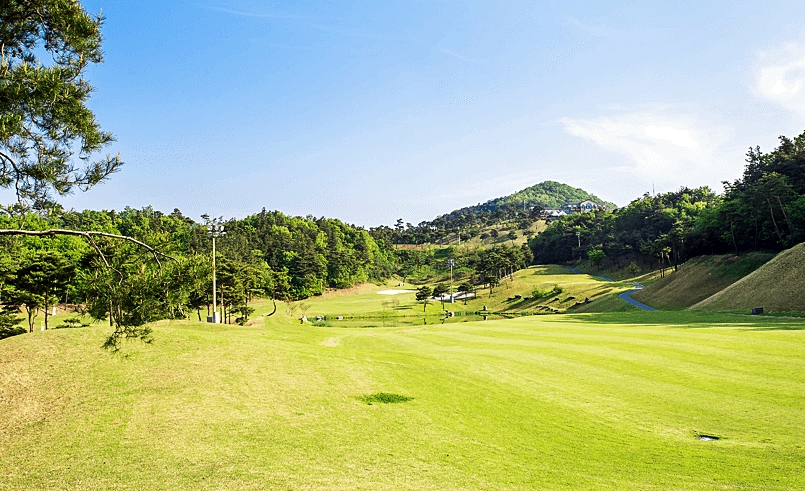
x=266, y=254
x=762, y=210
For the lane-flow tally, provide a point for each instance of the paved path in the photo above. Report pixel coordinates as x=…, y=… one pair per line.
x=625, y=296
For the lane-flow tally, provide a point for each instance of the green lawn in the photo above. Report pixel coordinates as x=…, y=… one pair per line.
x=595, y=401
x=365, y=301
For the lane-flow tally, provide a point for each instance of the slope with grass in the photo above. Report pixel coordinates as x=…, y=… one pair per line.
x=777, y=286
x=606, y=401
x=698, y=279
x=509, y=297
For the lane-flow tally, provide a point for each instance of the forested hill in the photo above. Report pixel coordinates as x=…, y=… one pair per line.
x=548, y=194
x=473, y=220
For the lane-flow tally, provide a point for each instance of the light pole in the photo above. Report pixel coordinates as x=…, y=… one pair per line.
x=578, y=236
x=214, y=229
x=451, y=263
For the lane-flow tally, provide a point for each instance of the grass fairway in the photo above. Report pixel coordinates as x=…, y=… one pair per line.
x=597, y=401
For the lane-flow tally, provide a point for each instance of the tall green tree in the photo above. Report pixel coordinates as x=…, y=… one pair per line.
x=422, y=295
x=48, y=135
x=40, y=279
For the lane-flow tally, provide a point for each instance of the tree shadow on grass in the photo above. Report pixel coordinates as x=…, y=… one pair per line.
x=691, y=320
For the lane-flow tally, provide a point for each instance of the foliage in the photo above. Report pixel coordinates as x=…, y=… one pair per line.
x=521, y=207
x=541, y=291
x=8, y=323
x=596, y=255
x=763, y=210
x=423, y=293
x=44, y=118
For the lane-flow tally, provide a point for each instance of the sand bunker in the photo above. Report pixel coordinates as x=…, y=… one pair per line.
x=394, y=292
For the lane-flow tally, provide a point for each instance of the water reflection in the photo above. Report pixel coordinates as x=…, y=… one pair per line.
x=402, y=321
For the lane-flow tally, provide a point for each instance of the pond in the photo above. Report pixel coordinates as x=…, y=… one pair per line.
x=391, y=320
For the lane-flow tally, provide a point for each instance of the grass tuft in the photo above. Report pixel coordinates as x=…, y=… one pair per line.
x=384, y=398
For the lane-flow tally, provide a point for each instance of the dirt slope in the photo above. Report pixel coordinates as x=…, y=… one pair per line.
x=777, y=286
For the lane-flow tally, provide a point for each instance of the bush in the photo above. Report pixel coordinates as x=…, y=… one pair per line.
x=541, y=291
x=8, y=325
x=7, y=332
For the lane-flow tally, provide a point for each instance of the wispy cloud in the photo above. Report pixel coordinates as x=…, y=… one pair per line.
x=262, y=15
x=780, y=76
x=251, y=14
x=456, y=55
x=598, y=30
x=660, y=143
x=350, y=33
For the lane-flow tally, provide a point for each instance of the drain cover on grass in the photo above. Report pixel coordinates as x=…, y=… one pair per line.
x=707, y=438
x=384, y=398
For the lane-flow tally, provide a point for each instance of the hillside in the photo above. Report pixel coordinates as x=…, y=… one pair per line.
x=778, y=286
x=549, y=194
x=698, y=279
x=512, y=213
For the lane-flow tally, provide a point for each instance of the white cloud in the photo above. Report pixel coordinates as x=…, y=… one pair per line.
x=661, y=145
x=781, y=76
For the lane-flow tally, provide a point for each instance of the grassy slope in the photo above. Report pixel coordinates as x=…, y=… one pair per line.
x=778, y=286
x=367, y=302
x=537, y=227
x=607, y=401
x=698, y=279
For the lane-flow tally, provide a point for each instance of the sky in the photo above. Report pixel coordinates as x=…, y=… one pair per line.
x=373, y=111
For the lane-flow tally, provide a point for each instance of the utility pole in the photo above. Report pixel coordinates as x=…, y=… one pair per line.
x=451, y=263
x=578, y=236
x=214, y=229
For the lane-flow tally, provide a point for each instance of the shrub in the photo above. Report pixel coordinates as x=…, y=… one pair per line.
x=8, y=325
x=540, y=291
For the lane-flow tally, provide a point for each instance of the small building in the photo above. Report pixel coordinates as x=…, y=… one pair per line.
x=585, y=206
x=552, y=214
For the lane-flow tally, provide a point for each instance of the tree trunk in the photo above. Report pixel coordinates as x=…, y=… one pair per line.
x=776, y=228
x=787, y=221
x=734, y=243
x=31, y=318
x=47, y=309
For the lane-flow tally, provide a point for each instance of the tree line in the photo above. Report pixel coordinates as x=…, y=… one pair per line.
x=267, y=254
x=762, y=210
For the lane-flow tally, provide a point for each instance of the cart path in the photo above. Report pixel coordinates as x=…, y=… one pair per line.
x=625, y=296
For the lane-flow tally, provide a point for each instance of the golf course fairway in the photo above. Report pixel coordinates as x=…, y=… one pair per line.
x=588, y=401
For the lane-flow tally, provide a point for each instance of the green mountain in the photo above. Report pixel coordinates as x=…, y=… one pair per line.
x=549, y=194
x=474, y=220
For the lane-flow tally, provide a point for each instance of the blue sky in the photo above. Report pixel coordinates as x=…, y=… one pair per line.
x=373, y=111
